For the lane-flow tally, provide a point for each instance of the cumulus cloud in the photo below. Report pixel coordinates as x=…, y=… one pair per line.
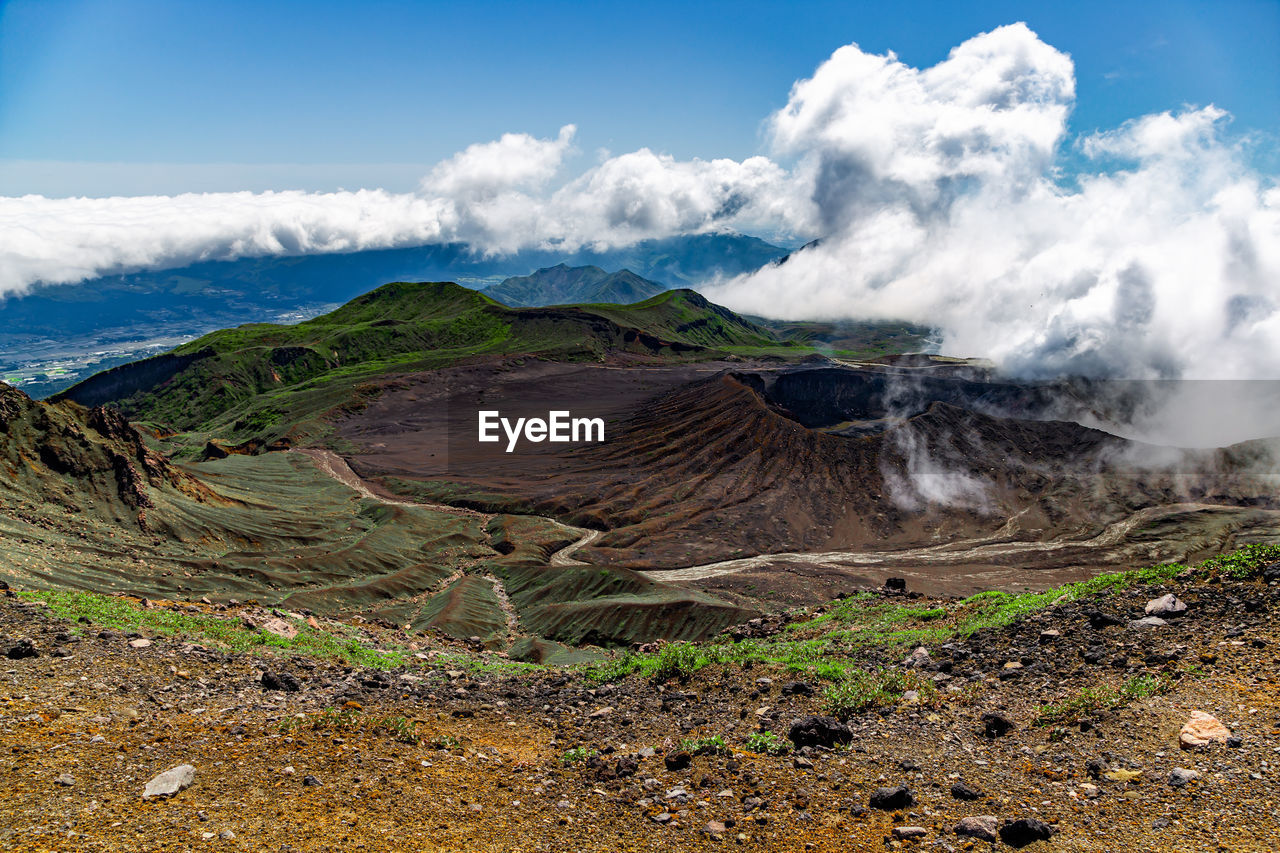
x=936, y=193
x=487, y=169
x=937, y=197
x=877, y=133
x=642, y=195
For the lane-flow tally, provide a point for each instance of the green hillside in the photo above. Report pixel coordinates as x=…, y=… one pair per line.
x=262, y=381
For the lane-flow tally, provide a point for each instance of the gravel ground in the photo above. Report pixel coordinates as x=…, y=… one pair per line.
x=428, y=759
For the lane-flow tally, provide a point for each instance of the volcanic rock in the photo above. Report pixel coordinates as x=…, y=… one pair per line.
x=280, y=681
x=888, y=799
x=982, y=827
x=23, y=649
x=1166, y=606
x=818, y=731
x=996, y=725
x=1024, y=831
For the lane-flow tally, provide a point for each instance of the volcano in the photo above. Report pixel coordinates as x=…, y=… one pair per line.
x=744, y=468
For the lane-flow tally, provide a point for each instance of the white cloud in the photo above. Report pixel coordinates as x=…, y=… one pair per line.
x=67, y=240
x=938, y=204
x=488, y=169
x=497, y=196
x=642, y=194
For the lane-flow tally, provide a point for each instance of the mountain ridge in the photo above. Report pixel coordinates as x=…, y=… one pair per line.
x=566, y=285
x=400, y=327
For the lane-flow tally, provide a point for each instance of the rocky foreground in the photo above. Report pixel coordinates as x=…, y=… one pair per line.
x=1145, y=717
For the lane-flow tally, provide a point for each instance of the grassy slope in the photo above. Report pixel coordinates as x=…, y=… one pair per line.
x=824, y=643
x=831, y=642
x=263, y=380
x=858, y=340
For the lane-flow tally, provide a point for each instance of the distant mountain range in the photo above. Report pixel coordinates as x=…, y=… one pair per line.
x=59, y=334
x=215, y=294
x=566, y=285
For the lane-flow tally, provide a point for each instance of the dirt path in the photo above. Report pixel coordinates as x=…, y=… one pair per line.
x=513, y=618
x=336, y=467
x=563, y=556
x=947, y=554
x=951, y=553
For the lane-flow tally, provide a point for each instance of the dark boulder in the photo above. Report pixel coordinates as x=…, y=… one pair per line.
x=23, y=649
x=1024, y=831
x=797, y=688
x=888, y=799
x=280, y=681
x=819, y=731
x=996, y=725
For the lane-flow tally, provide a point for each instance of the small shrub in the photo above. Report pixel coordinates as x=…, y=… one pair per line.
x=1094, y=700
x=1244, y=563
x=713, y=745
x=578, y=755
x=678, y=660
x=352, y=720
x=767, y=743
x=864, y=691
x=613, y=669
x=445, y=742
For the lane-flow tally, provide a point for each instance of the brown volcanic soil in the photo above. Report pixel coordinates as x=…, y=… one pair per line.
x=699, y=468
x=487, y=775
x=86, y=504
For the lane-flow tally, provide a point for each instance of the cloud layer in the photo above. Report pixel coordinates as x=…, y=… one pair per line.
x=935, y=191
x=938, y=200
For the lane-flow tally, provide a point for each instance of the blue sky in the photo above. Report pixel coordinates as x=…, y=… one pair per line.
x=319, y=94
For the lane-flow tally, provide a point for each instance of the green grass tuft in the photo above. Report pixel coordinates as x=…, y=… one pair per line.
x=709, y=745
x=1091, y=701
x=767, y=743
x=400, y=728
x=578, y=755
x=881, y=688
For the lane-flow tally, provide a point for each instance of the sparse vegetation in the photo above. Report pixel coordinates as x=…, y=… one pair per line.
x=448, y=743
x=825, y=645
x=578, y=754
x=678, y=660
x=332, y=641
x=1091, y=701
x=398, y=727
x=340, y=642
x=864, y=691
x=1245, y=563
x=709, y=745
x=767, y=743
